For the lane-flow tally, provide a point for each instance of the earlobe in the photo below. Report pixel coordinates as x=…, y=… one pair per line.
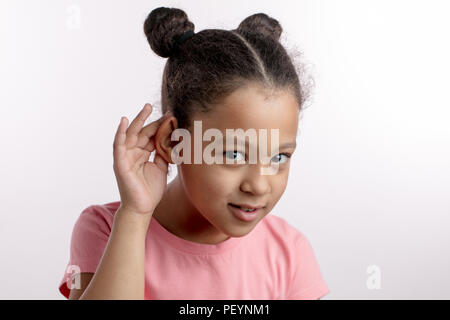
x=163, y=142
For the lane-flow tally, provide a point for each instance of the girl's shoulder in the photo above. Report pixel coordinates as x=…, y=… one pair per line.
x=101, y=215
x=107, y=209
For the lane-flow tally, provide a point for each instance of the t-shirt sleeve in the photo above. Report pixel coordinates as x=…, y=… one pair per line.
x=88, y=241
x=307, y=281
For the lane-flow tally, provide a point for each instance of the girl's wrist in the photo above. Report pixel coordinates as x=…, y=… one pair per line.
x=133, y=219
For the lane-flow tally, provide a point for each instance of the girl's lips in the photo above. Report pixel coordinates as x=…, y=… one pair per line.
x=246, y=206
x=244, y=216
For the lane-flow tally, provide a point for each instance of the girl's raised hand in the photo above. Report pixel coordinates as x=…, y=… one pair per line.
x=141, y=183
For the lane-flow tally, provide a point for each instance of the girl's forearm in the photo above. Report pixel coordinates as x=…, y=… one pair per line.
x=120, y=274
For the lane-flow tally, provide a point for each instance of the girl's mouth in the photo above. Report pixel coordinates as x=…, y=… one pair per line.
x=244, y=214
x=242, y=208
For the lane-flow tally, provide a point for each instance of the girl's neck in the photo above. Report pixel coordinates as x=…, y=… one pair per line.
x=177, y=215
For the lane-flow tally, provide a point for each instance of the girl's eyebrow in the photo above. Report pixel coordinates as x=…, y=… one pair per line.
x=286, y=145
x=289, y=145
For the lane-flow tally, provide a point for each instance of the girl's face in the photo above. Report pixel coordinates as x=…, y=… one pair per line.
x=212, y=187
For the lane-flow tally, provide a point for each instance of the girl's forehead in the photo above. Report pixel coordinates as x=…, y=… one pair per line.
x=254, y=108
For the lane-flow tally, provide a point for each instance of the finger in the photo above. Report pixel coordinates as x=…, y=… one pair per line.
x=150, y=146
x=149, y=131
x=160, y=162
x=138, y=122
x=119, y=140
x=151, y=128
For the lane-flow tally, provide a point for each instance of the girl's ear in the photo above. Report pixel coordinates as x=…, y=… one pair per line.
x=163, y=143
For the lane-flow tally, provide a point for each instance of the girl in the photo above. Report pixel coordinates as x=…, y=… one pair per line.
x=193, y=238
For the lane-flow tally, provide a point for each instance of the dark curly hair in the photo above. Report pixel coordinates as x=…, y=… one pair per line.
x=213, y=62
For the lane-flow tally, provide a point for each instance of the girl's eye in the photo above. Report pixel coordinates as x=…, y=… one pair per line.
x=286, y=157
x=233, y=153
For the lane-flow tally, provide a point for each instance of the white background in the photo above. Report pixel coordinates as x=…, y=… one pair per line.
x=370, y=179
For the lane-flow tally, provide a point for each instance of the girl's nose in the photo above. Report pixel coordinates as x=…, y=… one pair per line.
x=256, y=183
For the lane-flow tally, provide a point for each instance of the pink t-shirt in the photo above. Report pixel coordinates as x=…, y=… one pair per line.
x=274, y=261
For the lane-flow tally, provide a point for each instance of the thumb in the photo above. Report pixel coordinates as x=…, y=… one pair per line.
x=161, y=163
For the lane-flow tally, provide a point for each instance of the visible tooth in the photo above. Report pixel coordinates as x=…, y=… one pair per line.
x=246, y=209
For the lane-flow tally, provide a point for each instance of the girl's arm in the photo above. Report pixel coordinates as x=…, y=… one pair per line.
x=120, y=274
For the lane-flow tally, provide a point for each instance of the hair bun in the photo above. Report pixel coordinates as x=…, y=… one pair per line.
x=163, y=26
x=263, y=24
